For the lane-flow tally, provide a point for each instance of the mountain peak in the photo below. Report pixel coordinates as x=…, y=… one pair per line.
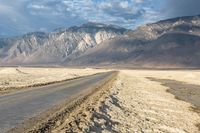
x=94, y=24
x=100, y=25
x=93, y=27
x=170, y=42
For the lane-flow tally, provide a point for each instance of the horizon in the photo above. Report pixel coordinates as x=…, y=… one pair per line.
x=25, y=16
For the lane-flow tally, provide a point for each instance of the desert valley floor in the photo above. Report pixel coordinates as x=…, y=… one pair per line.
x=140, y=101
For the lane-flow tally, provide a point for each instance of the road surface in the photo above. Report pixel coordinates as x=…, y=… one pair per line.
x=17, y=107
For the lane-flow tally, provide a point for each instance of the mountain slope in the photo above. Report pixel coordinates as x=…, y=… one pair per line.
x=55, y=47
x=171, y=50
x=169, y=43
x=152, y=31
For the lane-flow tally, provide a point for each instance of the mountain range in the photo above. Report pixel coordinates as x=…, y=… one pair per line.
x=168, y=43
x=55, y=47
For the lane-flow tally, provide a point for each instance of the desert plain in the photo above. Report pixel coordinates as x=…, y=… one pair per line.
x=15, y=78
x=139, y=101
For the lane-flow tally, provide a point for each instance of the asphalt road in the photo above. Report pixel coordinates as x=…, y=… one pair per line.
x=17, y=107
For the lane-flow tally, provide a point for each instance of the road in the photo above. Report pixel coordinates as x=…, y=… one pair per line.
x=17, y=107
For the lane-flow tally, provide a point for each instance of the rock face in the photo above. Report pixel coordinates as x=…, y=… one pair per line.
x=168, y=43
x=152, y=31
x=55, y=47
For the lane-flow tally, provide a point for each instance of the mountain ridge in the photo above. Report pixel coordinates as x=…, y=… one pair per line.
x=140, y=47
x=54, y=47
x=167, y=43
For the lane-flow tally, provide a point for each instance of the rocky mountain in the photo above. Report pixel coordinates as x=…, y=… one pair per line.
x=54, y=48
x=168, y=43
x=188, y=24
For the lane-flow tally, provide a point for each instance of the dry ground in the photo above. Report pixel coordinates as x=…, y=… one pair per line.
x=140, y=104
x=14, y=78
x=140, y=101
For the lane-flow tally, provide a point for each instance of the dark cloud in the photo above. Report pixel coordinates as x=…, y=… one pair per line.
x=176, y=8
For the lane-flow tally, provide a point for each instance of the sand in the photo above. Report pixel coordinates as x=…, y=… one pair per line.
x=140, y=101
x=137, y=104
x=16, y=77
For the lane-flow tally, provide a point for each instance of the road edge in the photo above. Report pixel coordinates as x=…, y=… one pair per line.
x=52, y=118
x=20, y=88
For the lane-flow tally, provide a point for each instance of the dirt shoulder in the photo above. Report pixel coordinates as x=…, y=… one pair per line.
x=14, y=79
x=57, y=115
x=13, y=89
x=134, y=104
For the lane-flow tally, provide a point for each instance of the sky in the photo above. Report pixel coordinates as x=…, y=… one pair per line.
x=21, y=16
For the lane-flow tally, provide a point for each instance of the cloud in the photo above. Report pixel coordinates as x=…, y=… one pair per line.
x=51, y=14
x=21, y=16
x=124, y=4
x=38, y=7
x=139, y=1
x=175, y=8
x=121, y=9
x=123, y=12
x=28, y=16
x=5, y=8
x=12, y=20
